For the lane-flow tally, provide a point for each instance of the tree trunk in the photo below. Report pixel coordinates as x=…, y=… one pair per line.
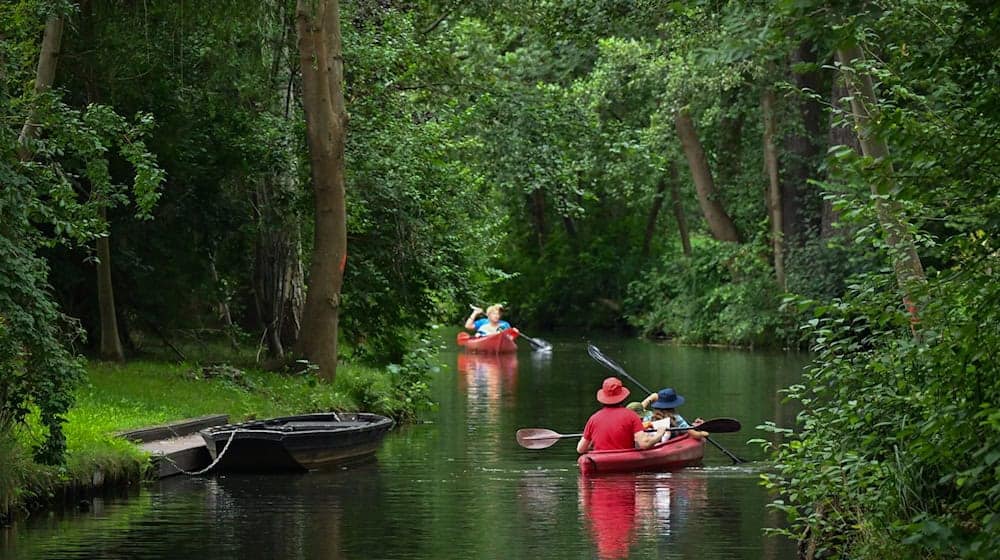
x=864, y=106
x=719, y=223
x=45, y=75
x=569, y=224
x=111, y=345
x=322, y=63
x=278, y=279
x=774, y=198
x=731, y=133
x=654, y=213
x=801, y=154
x=223, y=304
x=839, y=135
x=536, y=201
x=675, y=194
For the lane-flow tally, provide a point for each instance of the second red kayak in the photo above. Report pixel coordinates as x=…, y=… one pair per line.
x=499, y=343
x=681, y=451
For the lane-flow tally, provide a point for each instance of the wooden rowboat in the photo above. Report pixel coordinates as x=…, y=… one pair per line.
x=296, y=443
x=501, y=342
x=675, y=453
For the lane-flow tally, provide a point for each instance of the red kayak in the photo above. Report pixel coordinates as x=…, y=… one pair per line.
x=681, y=451
x=499, y=343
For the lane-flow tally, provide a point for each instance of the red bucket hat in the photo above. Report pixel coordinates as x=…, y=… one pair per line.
x=612, y=391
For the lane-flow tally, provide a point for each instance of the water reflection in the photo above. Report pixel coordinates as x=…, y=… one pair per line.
x=667, y=501
x=609, y=506
x=621, y=509
x=489, y=380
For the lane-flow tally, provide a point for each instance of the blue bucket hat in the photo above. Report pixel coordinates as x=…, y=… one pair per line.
x=667, y=398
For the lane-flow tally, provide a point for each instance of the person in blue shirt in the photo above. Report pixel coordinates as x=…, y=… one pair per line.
x=664, y=404
x=490, y=324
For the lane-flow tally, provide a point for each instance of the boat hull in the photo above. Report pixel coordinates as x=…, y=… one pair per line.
x=297, y=443
x=676, y=453
x=499, y=343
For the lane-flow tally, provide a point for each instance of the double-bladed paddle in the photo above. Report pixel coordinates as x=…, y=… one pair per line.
x=607, y=362
x=540, y=438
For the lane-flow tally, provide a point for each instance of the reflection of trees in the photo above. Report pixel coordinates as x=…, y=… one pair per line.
x=74, y=534
x=668, y=500
x=293, y=516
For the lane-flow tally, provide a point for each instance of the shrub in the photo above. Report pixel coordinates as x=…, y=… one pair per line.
x=898, y=451
x=723, y=293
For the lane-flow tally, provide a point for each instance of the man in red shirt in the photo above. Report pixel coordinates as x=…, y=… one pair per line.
x=614, y=426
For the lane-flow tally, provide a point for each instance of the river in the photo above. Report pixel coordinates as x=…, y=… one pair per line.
x=459, y=486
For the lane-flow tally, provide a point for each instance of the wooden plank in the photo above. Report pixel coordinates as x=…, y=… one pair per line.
x=188, y=453
x=174, y=429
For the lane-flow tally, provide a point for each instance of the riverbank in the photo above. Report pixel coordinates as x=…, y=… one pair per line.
x=120, y=397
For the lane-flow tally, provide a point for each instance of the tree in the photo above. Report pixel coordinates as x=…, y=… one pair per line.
x=322, y=64
x=719, y=222
x=48, y=59
x=864, y=105
x=775, y=201
x=40, y=208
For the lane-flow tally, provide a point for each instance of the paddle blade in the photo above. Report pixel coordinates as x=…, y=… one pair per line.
x=607, y=362
x=538, y=344
x=538, y=438
x=719, y=426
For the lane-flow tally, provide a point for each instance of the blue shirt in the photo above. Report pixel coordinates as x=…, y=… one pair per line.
x=679, y=422
x=480, y=323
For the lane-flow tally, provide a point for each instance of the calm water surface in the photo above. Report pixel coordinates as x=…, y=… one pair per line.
x=459, y=486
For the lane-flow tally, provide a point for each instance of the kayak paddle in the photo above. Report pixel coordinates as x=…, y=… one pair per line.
x=536, y=343
x=607, y=362
x=540, y=438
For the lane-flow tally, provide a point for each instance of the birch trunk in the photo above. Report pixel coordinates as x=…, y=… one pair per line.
x=774, y=198
x=45, y=76
x=864, y=106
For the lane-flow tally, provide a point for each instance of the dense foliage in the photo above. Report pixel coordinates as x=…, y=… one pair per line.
x=55, y=196
x=806, y=173
x=897, y=452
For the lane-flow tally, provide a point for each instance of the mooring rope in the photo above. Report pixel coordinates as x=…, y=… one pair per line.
x=208, y=468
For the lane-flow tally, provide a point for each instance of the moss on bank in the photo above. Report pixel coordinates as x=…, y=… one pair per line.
x=121, y=397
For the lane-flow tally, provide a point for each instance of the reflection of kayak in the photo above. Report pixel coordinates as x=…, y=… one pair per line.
x=681, y=451
x=502, y=341
x=493, y=364
x=609, y=503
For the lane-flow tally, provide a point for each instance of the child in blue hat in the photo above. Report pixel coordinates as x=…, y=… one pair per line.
x=664, y=405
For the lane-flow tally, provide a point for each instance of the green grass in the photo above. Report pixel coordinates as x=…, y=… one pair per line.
x=143, y=393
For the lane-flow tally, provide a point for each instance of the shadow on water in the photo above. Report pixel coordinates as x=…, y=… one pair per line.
x=459, y=486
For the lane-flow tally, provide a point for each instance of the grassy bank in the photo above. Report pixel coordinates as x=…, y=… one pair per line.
x=142, y=393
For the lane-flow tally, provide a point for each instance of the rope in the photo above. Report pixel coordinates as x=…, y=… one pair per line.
x=208, y=468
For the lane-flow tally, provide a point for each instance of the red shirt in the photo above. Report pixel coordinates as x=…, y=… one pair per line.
x=612, y=427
